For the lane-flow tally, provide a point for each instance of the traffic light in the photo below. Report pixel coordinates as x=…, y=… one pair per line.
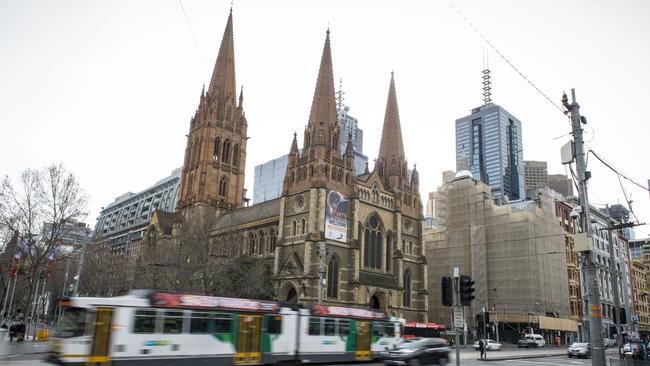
x=447, y=291
x=486, y=316
x=466, y=290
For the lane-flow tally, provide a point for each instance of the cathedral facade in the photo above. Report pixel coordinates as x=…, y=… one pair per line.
x=333, y=236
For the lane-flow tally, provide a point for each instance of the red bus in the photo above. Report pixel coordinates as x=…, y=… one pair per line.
x=423, y=330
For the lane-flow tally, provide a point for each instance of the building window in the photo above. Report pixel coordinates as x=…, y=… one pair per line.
x=225, y=152
x=389, y=251
x=235, y=155
x=261, y=245
x=373, y=243
x=303, y=226
x=223, y=184
x=293, y=228
x=217, y=142
x=333, y=278
x=272, y=240
x=407, y=287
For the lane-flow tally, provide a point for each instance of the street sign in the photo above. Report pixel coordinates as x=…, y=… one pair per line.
x=635, y=319
x=458, y=317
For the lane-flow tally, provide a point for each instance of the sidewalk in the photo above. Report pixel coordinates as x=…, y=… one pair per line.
x=8, y=349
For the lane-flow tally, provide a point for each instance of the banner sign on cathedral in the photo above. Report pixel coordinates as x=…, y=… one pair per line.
x=336, y=216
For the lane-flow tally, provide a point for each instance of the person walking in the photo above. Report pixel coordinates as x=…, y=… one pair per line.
x=481, y=348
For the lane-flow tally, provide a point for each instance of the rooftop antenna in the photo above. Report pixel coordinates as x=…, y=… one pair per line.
x=339, y=95
x=487, y=83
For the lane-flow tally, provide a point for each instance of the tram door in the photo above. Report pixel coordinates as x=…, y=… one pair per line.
x=248, y=339
x=363, y=340
x=101, y=338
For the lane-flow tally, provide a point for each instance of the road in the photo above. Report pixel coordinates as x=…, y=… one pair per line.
x=32, y=354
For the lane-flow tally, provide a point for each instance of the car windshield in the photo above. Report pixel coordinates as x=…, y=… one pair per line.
x=73, y=323
x=579, y=345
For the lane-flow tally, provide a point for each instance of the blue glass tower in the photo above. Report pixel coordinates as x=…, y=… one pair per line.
x=489, y=145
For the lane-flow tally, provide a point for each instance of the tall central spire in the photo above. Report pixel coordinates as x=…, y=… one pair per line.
x=323, y=106
x=222, y=83
x=391, y=146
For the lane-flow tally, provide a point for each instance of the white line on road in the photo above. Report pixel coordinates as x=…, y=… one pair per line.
x=536, y=362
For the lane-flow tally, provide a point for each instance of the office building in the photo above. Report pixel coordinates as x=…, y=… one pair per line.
x=489, y=145
x=536, y=175
x=561, y=184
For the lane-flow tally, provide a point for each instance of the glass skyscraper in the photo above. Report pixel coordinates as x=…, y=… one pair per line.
x=489, y=145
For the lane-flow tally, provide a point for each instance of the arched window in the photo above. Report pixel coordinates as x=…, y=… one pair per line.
x=333, y=278
x=251, y=244
x=340, y=176
x=272, y=240
x=217, y=142
x=407, y=287
x=389, y=251
x=235, y=155
x=347, y=178
x=223, y=184
x=372, y=243
x=333, y=173
x=195, y=153
x=303, y=226
x=261, y=245
x=311, y=170
x=293, y=227
x=225, y=152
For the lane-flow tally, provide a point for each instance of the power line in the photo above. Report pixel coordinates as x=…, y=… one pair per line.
x=505, y=59
x=617, y=171
x=196, y=43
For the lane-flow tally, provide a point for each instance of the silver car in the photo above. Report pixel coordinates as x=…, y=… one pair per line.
x=579, y=350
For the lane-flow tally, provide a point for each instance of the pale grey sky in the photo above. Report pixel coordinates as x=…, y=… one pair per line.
x=108, y=87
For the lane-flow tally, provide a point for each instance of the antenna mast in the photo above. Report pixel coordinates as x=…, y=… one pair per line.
x=487, y=82
x=339, y=95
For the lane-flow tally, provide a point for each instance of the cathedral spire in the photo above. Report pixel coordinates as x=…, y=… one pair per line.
x=391, y=146
x=223, y=75
x=323, y=106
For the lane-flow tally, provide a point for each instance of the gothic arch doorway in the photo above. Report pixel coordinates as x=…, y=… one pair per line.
x=292, y=295
x=374, y=302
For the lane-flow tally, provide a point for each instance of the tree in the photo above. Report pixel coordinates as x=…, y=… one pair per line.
x=51, y=196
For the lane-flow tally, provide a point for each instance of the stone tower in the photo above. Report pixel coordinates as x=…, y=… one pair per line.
x=320, y=165
x=391, y=163
x=215, y=155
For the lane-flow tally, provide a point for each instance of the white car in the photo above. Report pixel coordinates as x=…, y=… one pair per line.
x=492, y=345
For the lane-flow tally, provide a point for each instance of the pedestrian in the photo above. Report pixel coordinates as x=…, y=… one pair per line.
x=481, y=348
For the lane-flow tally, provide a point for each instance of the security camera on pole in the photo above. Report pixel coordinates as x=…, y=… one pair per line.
x=583, y=239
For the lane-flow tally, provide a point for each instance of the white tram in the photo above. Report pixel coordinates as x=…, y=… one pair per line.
x=170, y=329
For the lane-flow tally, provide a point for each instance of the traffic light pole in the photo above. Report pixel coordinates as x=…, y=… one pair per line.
x=595, y=320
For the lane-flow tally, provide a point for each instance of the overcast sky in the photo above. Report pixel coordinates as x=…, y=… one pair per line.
x=108, y=87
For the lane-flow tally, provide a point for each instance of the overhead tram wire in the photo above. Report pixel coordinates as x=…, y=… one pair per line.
x=591, y=151
x=505, y=58
x=196, y=43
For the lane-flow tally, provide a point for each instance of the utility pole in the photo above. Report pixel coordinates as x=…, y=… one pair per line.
x=595, y=320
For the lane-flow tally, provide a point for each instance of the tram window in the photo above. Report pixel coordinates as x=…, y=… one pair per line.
x=209, y=323
x=200, y=323
x=314, y=326
x=145, y=321
x=378, y=329
x=222, y=325
x=173, y=322
x=390, y=330
x=330, y=327
x=344, y=327
x=274, y=325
